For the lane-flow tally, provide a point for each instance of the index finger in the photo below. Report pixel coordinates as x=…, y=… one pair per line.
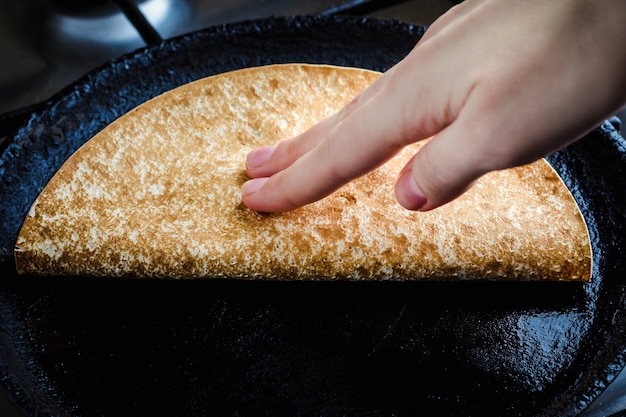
x=352, y=145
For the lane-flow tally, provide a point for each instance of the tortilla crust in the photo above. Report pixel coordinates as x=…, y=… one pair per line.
x=157, y=194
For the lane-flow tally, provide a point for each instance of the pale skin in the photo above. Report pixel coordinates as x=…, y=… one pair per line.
x=495, y=83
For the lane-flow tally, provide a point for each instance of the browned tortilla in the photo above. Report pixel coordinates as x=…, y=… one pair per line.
x=158, y=194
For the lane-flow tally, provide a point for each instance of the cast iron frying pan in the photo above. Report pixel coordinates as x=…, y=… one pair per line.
x=105, y=347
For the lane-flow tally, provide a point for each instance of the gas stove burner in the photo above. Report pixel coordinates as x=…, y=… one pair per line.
x=76, y=30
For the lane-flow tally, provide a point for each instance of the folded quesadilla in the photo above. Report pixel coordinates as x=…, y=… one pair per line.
x=157, y=194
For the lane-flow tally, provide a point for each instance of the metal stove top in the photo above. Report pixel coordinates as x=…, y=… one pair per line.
x=47, y=44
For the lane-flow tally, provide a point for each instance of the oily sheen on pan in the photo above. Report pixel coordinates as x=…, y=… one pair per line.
x=156, y=194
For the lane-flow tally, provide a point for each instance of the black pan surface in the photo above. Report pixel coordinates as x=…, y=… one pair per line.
x=108, y=347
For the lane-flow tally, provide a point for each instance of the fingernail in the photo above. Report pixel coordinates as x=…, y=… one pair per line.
x=252, y=186
x=259, y=156
x=408, y=193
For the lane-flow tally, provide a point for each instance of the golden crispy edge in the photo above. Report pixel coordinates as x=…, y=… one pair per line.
x=157, y=194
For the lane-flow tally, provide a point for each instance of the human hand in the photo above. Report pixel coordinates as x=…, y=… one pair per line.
x=495, y=84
